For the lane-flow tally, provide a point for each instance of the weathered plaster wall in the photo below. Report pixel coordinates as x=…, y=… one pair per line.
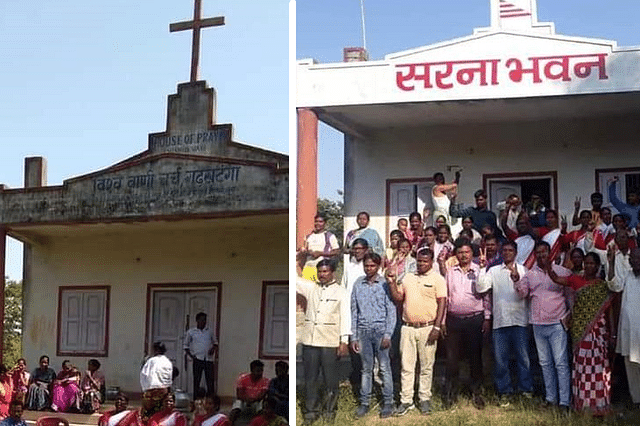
x=222, y=251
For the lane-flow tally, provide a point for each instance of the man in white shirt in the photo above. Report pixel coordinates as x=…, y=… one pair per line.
x=324, y=337
x=200, y=344
x=510, y=322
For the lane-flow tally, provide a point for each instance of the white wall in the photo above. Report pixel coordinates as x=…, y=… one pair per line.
x=572, y=148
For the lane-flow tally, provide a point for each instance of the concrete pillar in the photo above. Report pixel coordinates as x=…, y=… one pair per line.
x=35, y=172
x=3, y=246
x=307, y=176
x=35, y=176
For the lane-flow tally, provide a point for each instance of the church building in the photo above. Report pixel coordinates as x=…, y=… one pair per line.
x=517, y=107
x=122, y=257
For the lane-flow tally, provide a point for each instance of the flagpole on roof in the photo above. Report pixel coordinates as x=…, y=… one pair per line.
x=364, y=35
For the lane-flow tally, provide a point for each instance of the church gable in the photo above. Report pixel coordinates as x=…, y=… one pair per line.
x=157, y=186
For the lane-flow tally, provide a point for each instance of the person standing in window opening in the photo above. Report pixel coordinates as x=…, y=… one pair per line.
x=201, y=345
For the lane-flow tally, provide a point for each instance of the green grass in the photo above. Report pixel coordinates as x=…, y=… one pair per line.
x=521, y=412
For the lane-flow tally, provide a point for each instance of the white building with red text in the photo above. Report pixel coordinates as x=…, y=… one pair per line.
x=516, y=106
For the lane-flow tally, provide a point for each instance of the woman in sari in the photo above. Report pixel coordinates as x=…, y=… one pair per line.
x=66, y=392
x=91, y=385
x=120, y=416
x=268, y=416
x=211, y=417
x=6, y=391
x=20, y=380
x=168, y=416
x=590, y=334
x=363, y=231
x=39, y=395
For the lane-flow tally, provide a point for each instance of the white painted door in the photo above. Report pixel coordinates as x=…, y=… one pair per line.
x=405, y=198
x=500, y=190
x=174, y=312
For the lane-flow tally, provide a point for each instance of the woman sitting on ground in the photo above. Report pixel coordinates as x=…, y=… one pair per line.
x=121, y=416
x=5, y=391
x=268, y=416
x=211, y=417
x=39, y=395
x=168, y=416
x=20, y=380
x=66, y=392
x=91, y=385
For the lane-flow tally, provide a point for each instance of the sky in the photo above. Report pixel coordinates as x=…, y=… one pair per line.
x=325, y=27
x=84, y=82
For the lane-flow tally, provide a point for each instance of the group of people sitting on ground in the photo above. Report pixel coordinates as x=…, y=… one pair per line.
x=499, y=278
x=265, y=401
x=44, y=390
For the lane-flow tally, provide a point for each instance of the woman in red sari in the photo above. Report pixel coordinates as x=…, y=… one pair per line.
x=121, y=416
x=211, y=417
x=66, y=392
x=591, y=336
x=20, y=380
x=168, y=416
x=6, y=391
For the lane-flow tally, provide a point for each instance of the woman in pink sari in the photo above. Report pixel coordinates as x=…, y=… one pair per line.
x=66, y=389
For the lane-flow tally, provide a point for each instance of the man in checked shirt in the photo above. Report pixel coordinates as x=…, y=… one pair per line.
x=373, y=319
x=324, y=339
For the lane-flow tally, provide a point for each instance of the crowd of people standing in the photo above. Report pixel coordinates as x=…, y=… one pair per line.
x=499, y=278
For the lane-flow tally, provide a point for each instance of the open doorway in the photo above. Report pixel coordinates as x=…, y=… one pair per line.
x=500, y=185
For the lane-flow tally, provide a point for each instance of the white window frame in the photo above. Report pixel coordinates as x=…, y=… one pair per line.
x=270, y=317
x=83, y=320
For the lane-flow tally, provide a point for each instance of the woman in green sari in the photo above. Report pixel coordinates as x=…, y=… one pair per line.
x=591, y=337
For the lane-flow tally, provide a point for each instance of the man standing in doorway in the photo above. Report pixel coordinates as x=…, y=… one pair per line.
x=200, y=345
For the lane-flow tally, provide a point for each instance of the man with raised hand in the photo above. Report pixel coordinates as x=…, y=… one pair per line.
x=510, y=322
x=324, y=339
x=423, y=297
